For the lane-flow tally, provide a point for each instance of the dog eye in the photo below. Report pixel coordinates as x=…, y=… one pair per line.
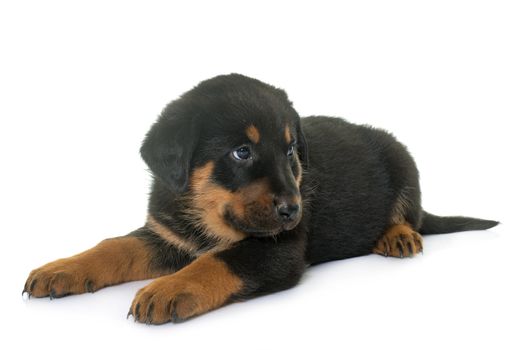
x=290, y=151
x=242, y=153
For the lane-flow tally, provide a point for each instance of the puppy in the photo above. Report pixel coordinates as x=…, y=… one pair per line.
x=245, y=196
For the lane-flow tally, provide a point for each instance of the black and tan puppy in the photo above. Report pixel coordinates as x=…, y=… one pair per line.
x=245, y=196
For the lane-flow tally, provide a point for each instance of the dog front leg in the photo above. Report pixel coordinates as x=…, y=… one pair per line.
x=252, y=267
x=138, y=256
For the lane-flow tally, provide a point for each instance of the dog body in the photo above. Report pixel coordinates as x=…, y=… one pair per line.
x=365, y=182
x=245, y=195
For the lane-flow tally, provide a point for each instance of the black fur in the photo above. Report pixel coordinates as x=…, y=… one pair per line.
x=433, y=224
x=353, y=176
x=358, y=173
x=346, y=185
x=267, y=265
x=166, y=257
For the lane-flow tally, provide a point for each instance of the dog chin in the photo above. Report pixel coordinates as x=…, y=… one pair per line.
x=255, y=231
x=270, y=233
x=264, y=232
x=258, y=231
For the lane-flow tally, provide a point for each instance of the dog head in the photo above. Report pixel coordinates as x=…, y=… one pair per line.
x=234, y=147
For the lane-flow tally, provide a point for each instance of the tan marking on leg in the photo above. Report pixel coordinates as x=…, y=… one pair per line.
x=112, y=261
x=400, y=208
x=170, y=236
x=204, y=285
x=399, y=241
x=253, y=133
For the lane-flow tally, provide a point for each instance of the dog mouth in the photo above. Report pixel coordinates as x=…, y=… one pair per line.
x=262, y=233
x=257, y=231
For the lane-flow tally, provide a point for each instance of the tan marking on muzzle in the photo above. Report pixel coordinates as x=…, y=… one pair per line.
x=210, y=202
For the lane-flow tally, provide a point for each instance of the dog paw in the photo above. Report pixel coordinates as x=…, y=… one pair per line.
x=58, y=279
x=399, y=241
x=204, y=285
x=166, y=300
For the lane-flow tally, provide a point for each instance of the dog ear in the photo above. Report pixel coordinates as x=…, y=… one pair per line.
x=168, y=149
x=302, y=148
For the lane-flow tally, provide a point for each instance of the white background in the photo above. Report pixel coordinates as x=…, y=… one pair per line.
x=81, y=83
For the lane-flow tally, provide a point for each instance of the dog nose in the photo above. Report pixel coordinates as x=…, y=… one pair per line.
x=287, y=211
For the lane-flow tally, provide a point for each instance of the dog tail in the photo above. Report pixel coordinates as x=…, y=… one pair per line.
x=433, y=224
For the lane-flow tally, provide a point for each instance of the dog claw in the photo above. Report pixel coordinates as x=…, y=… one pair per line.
x=130, y=313
x=410, y=248
x=400, y=245
x=26, y=292
x=31, y=287
x=148, y=314
x=136, y=314
x=89, y=286
x=174, y=316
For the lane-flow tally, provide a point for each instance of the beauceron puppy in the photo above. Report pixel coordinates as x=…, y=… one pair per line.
x=245, y=196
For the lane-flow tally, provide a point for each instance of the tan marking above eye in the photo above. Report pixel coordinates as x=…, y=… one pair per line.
x=253, y=133
x=288, y=136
